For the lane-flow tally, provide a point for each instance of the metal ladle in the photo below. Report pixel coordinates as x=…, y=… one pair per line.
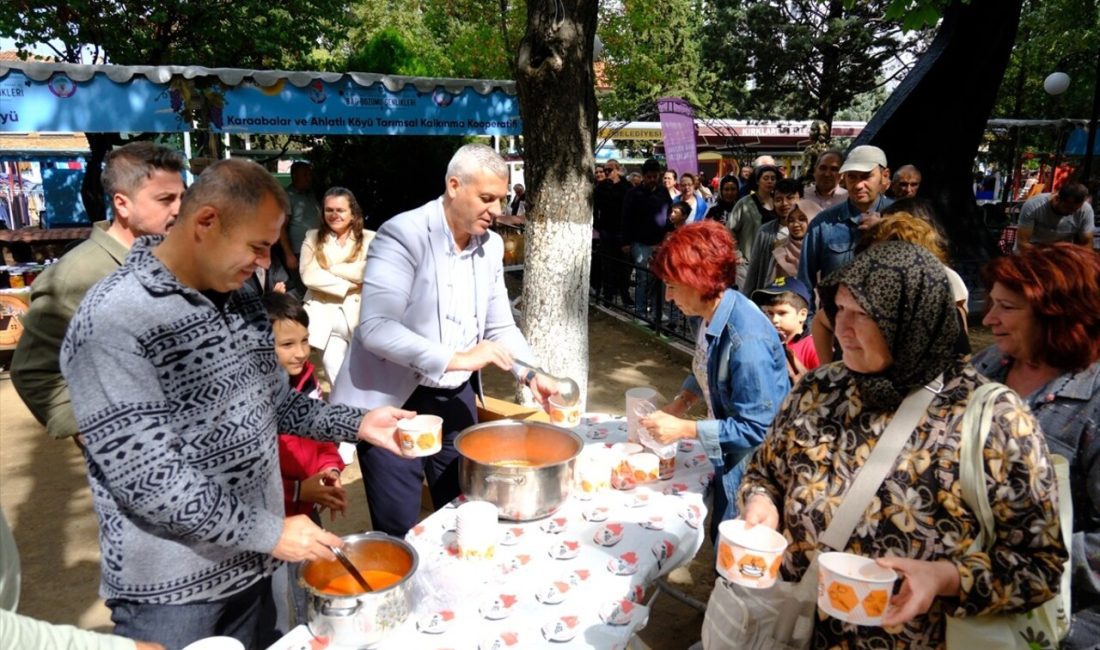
x=567, y=389
x=350, y=568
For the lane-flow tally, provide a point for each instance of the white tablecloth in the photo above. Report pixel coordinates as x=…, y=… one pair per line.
x=551, y=578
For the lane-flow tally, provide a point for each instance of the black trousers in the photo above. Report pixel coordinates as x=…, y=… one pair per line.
x=393, y=483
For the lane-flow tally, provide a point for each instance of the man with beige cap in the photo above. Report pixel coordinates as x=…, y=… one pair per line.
x=831, y=240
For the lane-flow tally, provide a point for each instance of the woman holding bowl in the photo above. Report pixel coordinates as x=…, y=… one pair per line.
x=332, y=262
x=1044, y=311
x=895, y=320
x=739, y=370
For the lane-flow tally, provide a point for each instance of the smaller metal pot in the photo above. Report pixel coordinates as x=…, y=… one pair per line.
x=361, y=620
x=525, y=468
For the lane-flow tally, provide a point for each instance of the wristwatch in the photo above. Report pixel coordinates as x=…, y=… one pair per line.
x=528, y=378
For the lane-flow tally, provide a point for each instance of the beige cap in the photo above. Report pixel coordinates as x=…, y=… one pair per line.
x=864, y=158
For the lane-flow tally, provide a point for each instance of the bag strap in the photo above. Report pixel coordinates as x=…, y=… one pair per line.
x=882, y=460
x=977, y=421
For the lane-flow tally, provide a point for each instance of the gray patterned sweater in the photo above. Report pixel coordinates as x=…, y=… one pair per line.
x=180, y=398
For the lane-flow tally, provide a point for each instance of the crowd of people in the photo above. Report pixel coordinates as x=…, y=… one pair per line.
x=853, y=267
x=174, y=348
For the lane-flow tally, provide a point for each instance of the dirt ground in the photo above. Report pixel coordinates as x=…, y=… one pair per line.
x=45, y=495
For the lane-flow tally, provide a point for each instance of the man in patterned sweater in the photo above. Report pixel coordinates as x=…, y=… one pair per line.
x=178, y=393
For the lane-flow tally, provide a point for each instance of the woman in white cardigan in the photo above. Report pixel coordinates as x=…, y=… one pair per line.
x=332, y=262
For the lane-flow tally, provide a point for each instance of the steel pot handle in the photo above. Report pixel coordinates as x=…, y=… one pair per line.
x=339, y=612
x=504, y=478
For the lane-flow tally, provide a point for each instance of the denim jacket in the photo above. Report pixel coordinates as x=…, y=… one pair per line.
x=831, y=241
x=747, y=373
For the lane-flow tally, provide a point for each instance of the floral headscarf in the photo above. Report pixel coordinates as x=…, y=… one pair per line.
x=904, y=288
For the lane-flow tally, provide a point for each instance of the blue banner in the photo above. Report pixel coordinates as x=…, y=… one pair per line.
x=98, y=105
x=101, y=105
x=348, y=108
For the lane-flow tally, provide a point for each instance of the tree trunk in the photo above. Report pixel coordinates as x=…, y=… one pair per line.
x=937, y=115
x=91, y=189
x=557, y=100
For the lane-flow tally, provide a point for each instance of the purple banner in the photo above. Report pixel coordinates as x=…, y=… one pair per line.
x=678, y=126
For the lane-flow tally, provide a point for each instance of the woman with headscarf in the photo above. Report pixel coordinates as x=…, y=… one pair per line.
x=901, y=226
x=895, y=319
x=727, y=198
x=1044, y=311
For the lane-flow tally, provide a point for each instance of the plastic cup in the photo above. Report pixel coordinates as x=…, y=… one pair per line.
x=644, y=408
x=564, y=415
x=749, y=557
x=421, y=435
x=477, y=530
x=634, y=397
x=854, y=589
x=216, y=643
x=666, y=453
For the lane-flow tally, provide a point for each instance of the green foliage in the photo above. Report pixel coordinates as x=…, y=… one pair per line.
x=431, y=38
x=447, y=38
x=652, y=50
x=807, y=59
x=912, y=14
x=389, y=53
x=242, y=33
x=864, y=106
x=469, y=31
x=1054, y=35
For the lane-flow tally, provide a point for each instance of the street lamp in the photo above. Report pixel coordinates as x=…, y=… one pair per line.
x=1056, y=83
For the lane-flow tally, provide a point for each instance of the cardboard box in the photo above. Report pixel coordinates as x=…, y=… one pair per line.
x=498, y=409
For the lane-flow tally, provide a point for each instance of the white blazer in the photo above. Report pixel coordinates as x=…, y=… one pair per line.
x=333, y=292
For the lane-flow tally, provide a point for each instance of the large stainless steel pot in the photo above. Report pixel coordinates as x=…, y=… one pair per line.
x=525, y=468
x=361, y=620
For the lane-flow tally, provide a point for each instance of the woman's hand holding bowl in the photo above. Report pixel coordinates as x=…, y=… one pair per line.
x=922, y=582
x=760, y=509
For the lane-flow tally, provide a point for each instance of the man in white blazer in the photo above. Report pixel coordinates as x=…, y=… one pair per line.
x=434, y=313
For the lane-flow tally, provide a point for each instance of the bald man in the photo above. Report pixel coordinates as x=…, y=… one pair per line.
x=906, y=182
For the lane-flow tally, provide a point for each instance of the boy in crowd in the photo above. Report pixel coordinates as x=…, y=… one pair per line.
x=679, y=213
x=787, y=303
x=310, y=469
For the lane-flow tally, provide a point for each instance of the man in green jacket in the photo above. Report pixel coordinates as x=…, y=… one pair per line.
x=144, y=185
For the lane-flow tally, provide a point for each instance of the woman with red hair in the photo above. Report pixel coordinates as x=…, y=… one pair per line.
x=1044, y=310
x=739, y=370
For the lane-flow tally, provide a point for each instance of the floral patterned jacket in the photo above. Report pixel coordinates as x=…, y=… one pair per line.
x=823, y=435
